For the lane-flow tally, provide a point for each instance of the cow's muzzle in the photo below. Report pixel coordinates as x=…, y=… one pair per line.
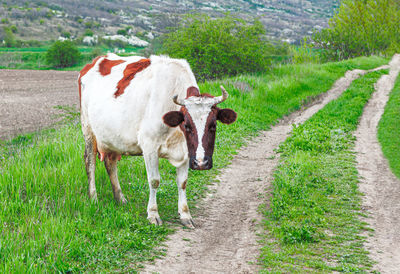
x=204, y=164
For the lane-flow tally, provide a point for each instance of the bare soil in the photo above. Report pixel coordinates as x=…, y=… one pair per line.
x=381, y=187
x=28, y=98
x=225, y=238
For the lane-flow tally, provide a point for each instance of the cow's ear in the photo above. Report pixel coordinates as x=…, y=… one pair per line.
x=226, y=116
x=173, y=118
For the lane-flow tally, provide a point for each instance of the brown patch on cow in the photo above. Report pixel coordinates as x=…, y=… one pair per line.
x=129, y=73
x=176, y=138
x=185, y=208
x=192, y=91
x=84, y=71
x=106, y=65
x=190, y=131
x=184, y=185
x=208, y=140
x=155, y=183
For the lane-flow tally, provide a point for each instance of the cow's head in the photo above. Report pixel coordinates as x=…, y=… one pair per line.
x=197, y=119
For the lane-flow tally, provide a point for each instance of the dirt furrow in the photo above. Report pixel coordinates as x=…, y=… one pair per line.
x=28, y=98
x=381, y=187
x=224, y=240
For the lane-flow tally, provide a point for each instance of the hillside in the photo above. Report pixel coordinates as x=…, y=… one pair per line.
x=287, y=20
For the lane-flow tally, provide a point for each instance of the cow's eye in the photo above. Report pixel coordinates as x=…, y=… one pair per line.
x=188, y=128
x=213, y=127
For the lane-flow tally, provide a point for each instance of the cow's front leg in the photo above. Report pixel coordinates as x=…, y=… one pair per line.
x=153, y=177
x=183, y=209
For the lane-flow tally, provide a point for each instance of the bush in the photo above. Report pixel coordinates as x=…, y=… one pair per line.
x=62, y=54
x=122, y=32
x=219, y=47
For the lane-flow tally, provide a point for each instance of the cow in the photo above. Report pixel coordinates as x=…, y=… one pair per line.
x=148, y=107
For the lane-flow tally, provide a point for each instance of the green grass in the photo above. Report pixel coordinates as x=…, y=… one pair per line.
x=389, y=130
x=313, y=219
x=48, y=222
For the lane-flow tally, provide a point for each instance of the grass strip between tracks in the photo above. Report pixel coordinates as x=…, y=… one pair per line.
x=47, y=221
x=389, y=130
x=315, y=206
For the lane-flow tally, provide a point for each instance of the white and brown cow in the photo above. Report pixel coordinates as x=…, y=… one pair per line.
x=150, y=107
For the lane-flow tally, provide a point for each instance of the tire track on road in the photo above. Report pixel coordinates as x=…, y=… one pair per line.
x=380, y=186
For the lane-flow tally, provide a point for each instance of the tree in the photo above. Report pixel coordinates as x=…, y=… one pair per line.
x=62, y=54
x=361, y=28
x=219, y=47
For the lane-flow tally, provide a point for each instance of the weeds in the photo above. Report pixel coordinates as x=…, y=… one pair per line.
x=389, y=130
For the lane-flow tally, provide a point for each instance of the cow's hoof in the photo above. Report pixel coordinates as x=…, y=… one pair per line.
x=122, y=201
x=93, y=198
x=155, y=220
x=188, y=222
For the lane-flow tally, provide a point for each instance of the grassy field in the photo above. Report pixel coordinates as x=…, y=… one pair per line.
x=48, y=222
x=389, y=130
x=34, y=58
x=315, y=206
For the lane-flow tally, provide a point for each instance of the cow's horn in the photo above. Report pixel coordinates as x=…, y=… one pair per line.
x=224, y=96
x=177, y=101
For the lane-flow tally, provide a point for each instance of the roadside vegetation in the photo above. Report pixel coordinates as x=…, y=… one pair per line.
x=313, y=219
x=48, y=222
x=389, y=130
x=221, y=47
x=361, y=28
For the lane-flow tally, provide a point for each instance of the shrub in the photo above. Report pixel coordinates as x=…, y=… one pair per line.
x=8, y=36
x=62, y=54
x=88, y=32
x=219, y=47
x=122, y=32
x=304, y=54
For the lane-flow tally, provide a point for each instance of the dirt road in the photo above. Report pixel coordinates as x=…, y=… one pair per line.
x=381, y=187
x=28, y=98
x=224, y=240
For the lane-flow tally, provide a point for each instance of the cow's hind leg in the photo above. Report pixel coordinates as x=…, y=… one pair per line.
x=153, y=177
x=90, y=162
x=183, y=209
x=110, y=162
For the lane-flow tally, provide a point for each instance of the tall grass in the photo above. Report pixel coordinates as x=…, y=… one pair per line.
x=313, y=222
x=389, y=130
x=48, y=222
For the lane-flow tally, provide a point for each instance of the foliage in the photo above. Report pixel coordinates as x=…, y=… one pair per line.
x=389, y=130
x=63, y=54
x=361, y=28
x=9, y=38
x=304, y=54
x=315, y=208
x=122, y=32
x=219, y=47
x=44, y=193
x=88, y=32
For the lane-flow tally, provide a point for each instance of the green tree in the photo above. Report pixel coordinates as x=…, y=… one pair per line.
x=62, y=54
x=361, y=28
x=219, y=47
